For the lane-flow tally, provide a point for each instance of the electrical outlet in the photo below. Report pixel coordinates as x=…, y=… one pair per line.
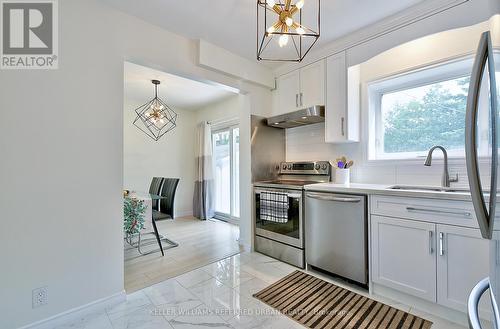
x=40, y=297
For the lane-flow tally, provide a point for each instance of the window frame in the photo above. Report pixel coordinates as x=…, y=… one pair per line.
x=445, y=70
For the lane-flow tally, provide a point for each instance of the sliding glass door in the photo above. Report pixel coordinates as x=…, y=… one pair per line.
x=226, y=148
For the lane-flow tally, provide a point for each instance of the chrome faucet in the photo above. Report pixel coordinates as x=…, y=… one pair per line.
x=445, y=180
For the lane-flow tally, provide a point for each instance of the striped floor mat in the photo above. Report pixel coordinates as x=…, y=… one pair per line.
x=315, y=303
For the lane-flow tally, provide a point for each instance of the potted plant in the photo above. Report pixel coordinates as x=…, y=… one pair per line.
x=133, y=215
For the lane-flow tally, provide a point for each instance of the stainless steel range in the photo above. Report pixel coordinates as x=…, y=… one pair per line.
x=279, y=210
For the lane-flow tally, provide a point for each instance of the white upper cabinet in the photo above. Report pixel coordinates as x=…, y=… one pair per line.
x=288, y=93
x=300, y=89
x=342, y=121
x=312, y=85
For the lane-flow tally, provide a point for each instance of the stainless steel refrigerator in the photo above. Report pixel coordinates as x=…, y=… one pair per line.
x=482, y=170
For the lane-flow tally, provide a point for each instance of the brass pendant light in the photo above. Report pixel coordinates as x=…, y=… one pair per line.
x=284, y=29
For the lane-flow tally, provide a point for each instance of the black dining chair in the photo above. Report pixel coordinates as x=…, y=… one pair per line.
x=155, y=188
x=164, y=187
x=168, y=190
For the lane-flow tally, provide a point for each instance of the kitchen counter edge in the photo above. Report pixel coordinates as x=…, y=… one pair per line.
x=384, y=189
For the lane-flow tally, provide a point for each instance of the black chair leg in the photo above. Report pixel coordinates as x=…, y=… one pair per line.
x=157, y=236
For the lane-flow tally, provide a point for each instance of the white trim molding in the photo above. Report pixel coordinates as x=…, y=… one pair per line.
x=77, y=312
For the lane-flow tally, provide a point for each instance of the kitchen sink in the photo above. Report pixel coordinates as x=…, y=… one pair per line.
x=429, y=188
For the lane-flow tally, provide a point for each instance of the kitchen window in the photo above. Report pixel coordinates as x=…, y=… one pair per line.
x=412, y=112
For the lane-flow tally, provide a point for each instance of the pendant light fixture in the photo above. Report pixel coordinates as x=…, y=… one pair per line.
x=155, y=118
x=287, y=29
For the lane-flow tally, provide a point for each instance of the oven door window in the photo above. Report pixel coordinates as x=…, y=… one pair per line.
x=289, y=227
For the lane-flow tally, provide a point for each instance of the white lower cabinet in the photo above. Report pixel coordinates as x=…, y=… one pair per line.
x=436, y=262
x=403, y=256
x=462, y=262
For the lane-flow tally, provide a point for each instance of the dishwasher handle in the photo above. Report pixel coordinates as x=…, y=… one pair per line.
x=326, y=197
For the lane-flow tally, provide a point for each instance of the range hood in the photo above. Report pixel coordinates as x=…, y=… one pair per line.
x=310, y=115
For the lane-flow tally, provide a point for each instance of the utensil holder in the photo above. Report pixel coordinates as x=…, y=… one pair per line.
x=343, y=176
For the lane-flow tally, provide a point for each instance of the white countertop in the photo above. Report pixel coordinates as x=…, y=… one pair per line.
x=381, y=189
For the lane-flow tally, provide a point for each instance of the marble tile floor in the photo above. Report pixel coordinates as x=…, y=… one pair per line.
x=218, y=295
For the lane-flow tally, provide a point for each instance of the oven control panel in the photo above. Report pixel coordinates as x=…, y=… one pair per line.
x=306, y=168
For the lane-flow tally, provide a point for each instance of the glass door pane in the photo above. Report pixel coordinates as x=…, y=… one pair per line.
x=236, y=172
x=222, y=167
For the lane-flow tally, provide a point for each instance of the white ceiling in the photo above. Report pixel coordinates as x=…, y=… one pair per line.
x=231, y=24
x=176, y=91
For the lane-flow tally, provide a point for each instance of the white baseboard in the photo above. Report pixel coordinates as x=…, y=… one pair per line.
x=246, y=247
x=77, y=312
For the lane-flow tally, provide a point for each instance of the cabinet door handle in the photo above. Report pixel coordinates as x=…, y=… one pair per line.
x=301, y=99
x=431, y=250
x=441, y=242
x=437, y=211
x=342, y=121
x=296, y=100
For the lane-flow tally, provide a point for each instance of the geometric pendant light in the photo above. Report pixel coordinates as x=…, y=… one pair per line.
x=287, y=31
x=155, y=118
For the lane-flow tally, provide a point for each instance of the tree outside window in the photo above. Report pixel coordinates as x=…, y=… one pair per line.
x=416, y=119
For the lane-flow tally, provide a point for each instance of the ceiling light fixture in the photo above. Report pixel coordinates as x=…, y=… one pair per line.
x=155, y=118
x=283, y=20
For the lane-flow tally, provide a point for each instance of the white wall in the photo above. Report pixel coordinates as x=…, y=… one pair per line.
x=172, y=156
x=228, y=108
x=305, y=143
x=61, y=146
x=61, y=172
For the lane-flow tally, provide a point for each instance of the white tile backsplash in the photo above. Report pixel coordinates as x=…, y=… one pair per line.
x=307, y=143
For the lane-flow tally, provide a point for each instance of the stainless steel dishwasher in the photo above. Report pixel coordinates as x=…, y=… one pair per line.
x=336, y=234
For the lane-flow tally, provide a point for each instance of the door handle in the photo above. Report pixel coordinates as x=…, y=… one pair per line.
x=471, y=157
x=473, y=303
x=324, y=197
x=301, y=99
x=441, y=242
x=494, y=132
x=342, y=121
x=296, y=100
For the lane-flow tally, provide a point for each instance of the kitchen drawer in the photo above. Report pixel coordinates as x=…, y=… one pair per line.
x=450, y=212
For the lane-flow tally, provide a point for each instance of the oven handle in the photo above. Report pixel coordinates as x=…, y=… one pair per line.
x=290, y=195
x=326, y=197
